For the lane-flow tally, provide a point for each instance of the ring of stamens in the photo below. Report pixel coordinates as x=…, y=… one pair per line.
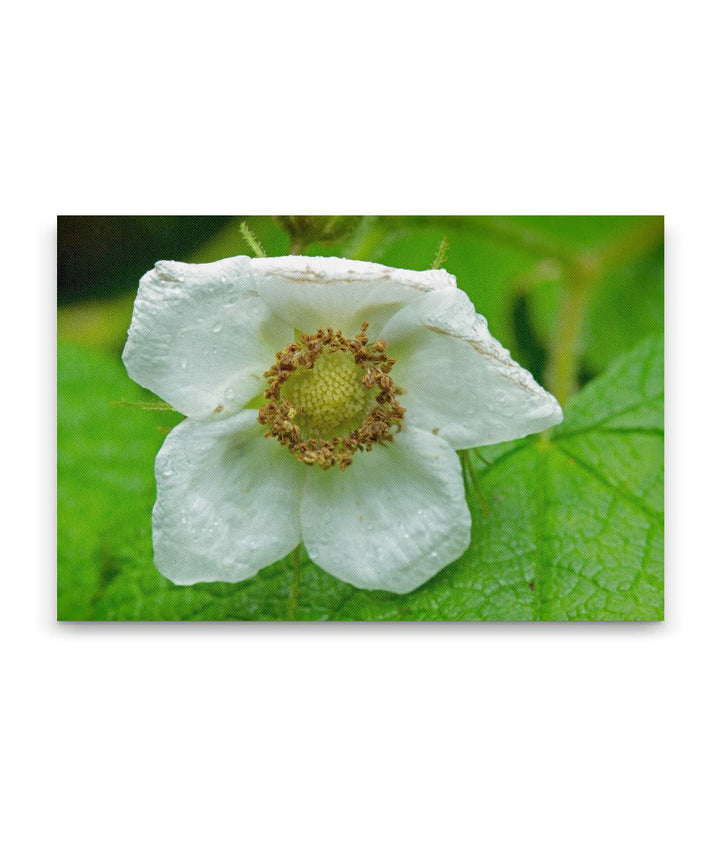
x=326, y=411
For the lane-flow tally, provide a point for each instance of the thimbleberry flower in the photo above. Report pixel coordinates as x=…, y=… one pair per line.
x=326, y=400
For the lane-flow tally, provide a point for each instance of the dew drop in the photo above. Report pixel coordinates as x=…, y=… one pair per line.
x=217, y=328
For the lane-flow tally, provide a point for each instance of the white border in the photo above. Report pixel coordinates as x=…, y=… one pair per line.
x=360, y=739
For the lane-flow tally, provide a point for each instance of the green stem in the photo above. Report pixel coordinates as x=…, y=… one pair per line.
x=583, y=273
x=143, y=405
x=366, y=241
x=512, y=232
x=562, y=370
x=471, y=480
x=295, y=584
x=637, y=241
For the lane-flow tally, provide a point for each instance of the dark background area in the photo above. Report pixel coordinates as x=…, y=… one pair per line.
x=105, y=256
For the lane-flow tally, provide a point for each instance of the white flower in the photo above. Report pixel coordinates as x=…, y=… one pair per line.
x=367, y=380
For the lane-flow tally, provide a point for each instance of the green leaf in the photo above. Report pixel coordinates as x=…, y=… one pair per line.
x=105, y=478
x=565, y=527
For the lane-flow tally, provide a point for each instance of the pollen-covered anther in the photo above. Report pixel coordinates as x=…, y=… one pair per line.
x=330, y=396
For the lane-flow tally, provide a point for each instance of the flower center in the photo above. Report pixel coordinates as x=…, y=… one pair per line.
x=329, y=397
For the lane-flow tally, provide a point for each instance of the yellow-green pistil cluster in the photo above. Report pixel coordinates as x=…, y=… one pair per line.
x=329, y=397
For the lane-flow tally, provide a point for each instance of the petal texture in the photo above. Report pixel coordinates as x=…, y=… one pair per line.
x=458, y=381
x=393, y=519
x=201, y=338
x=311, y=292
x=228, y=501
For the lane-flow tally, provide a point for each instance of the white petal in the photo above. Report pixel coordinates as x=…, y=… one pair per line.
x=228, y=501
x=311, y=292
x=458, y=381
x=201, y=338
x=391, y=520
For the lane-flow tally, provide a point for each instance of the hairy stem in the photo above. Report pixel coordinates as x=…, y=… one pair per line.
x=440, y=254
x=251, y=239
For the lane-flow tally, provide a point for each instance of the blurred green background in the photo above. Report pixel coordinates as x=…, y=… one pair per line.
x=567, y=295
x=512, y=267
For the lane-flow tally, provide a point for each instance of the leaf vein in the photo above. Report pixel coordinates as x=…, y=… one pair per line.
x=625, y=494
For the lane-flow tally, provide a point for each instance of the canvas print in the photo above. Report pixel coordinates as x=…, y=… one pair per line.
x=358, y=418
